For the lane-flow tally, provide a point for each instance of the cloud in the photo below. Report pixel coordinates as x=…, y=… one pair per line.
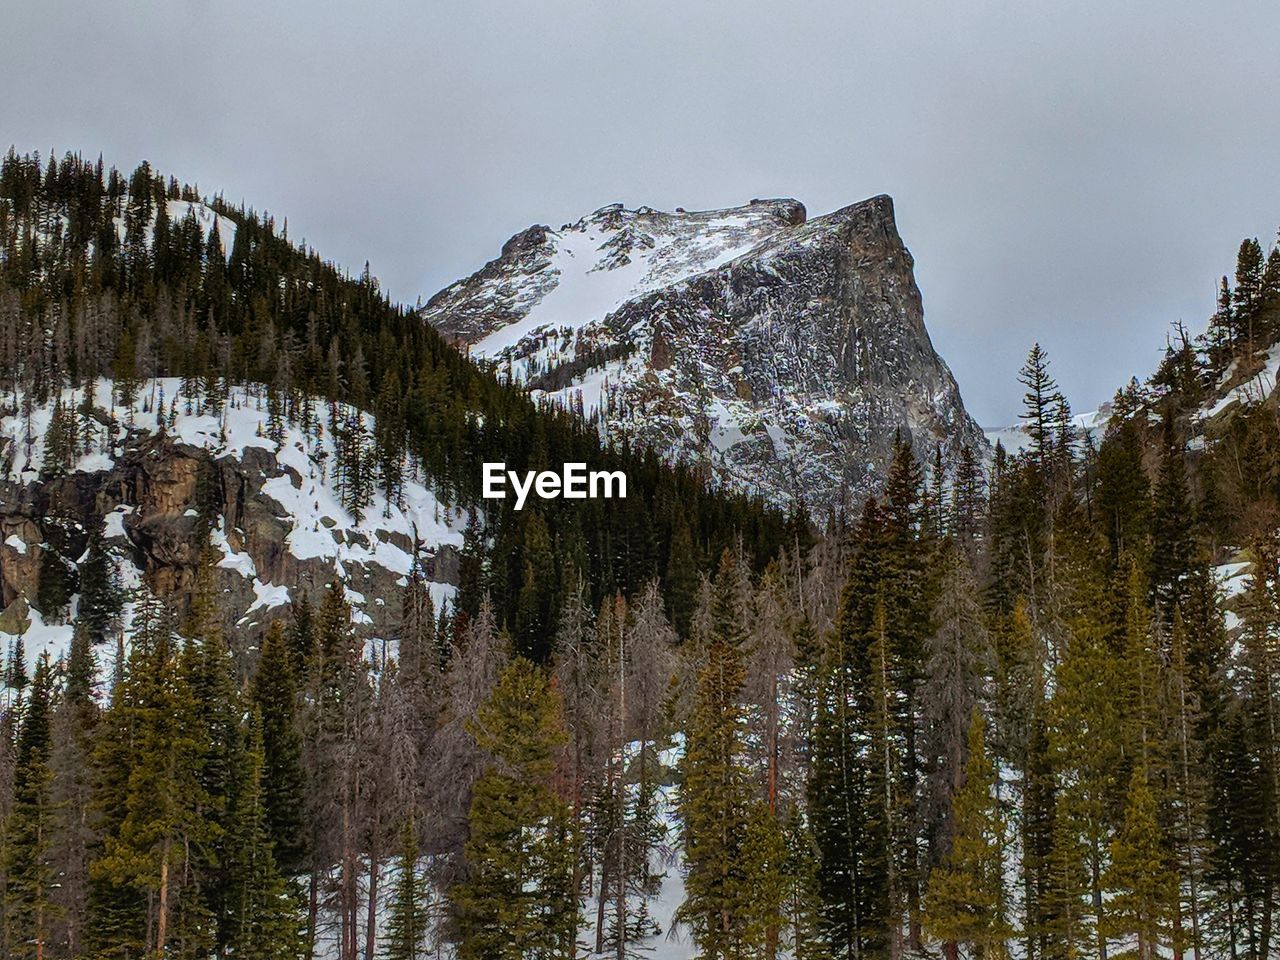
x=1076, y=174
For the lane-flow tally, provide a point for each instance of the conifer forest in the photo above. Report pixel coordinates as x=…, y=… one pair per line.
x=1021, y=703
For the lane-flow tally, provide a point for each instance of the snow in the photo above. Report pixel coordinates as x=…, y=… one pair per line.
x=1015, y=439
x=113, y=522
x=582, y=293
x=1254, y=390
x=241, y=563
x=179, y=210
x=1233, y=578
x=388, y=534
x=15, y=542
x=40, y=637
x=266, y=596
x=593, y=276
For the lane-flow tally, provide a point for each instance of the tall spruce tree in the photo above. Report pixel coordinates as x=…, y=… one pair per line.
x=274, y=692
x=714, y=799
x=1143, y=889
x=517, y=900
x=264, y=917
x=965, y=902
x=408, y=915
x=30, y=876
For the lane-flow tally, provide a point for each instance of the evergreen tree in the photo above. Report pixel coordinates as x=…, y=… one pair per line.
x=284, y=780
x=101, y=597
x=163, y=828
x=1248, y=293
x=965, y=902
x=517, y=900
x=1038, y=403
x=60, y=443
x=54, y=589
x=1142, y=887
x=1086, y=741
x=1173, y=542
x=408, y=918
x=263, y=921
x=958, y=658
x=30, y=877
x=714, y=800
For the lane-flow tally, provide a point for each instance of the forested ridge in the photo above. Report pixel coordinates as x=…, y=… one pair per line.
x=98, y=279
x=1010, y=709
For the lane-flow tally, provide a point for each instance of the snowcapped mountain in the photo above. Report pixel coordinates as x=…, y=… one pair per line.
x=778, y=353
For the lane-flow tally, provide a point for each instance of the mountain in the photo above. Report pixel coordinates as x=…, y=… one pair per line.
x=779, y=354
x=188, y=350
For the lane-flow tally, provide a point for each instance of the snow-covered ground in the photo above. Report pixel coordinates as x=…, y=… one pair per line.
x=1254, y=390
x=671, y=942
x=206, y=218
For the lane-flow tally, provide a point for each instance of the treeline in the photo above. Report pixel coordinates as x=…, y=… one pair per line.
x=104, y=275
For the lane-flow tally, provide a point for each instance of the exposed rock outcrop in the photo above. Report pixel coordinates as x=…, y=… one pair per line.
x=150, y=497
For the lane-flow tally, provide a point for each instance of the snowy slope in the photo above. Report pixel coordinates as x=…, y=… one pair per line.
x=205, y=217
x=1015, y=439
x=296, y=497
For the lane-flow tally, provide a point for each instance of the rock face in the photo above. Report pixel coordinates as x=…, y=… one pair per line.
x=779, y=353
x=279, y=529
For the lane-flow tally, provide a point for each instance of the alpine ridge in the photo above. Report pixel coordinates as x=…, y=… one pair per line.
x=780, y=354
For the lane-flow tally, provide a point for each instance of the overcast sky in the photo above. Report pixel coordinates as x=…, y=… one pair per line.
x=1076, y=173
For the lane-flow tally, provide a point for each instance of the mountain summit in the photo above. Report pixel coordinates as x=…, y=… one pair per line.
x=780, y=353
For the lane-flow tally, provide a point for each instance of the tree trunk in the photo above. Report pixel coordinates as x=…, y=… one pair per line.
x=313, y=911
x=371, y=914
x=1095, y=882
x=602, y=899
x=162, y=920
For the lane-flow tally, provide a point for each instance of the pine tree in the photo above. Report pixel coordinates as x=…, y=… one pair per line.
x=517, y=900
x=765, y=856
x=152, y=849
x=263, y=917
x=1038, y=403
x=54, y=589
x=284, y=779
x=681, y=576
x=714, y=800
x=536, y=602
x=965, y=901
x=31, y=880
x=1039, y=828
x=958, y=658
x=1143, y=888
x=408, y=918
x=847, y=781
x=60, y=443
x=101, y=597
x=1173, y=542
x=1189, y=792
x=1248, y=293
x=211, y=675
x=1086, y=741
x=74, y=722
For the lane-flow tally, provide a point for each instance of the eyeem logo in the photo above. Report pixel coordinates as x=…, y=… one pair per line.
x=574, y=482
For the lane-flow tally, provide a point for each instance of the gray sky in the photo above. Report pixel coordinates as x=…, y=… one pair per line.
x=1074, y=173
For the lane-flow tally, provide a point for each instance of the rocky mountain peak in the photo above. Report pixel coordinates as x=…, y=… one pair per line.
x=779, y=352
